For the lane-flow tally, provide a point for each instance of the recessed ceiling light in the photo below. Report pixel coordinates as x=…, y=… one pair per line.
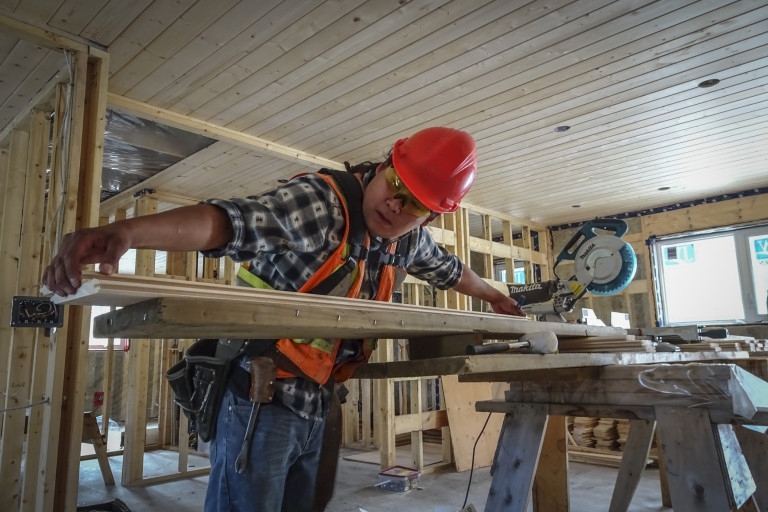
x=663, y=188
x=562, y=128
x=709, y=83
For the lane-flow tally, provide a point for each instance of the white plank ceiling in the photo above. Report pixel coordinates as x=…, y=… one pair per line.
x=343, y=79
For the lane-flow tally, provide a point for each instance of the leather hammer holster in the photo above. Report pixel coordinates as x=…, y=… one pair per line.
x=263, y=375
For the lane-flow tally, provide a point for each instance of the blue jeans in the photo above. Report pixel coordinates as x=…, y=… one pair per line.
x=283, y=462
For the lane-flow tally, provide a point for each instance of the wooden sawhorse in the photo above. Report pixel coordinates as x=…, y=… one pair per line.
x=694, y=408
x=92, y=434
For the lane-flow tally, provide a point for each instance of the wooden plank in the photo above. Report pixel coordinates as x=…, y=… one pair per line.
x=695, y=481
x=385, y=410
x=78, y=211
x=56, y=359
x=14, y=385
x=137, y=380
x=516, y=458
x=340, y=316
x=550, y=485
x=390, y=42
x=466, y=423
x=219, y=132
x=633, y=462
x=739, y=481
x=754, y=446
x=516, y=367
x=164, y=45
x=26, y=341
x=47, y=38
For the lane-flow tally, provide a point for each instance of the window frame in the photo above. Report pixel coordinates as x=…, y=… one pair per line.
x=741, y=235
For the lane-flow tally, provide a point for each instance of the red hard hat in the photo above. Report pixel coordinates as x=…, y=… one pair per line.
x=438, y=165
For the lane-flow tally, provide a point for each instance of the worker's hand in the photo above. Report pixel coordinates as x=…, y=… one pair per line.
x=104, y=245
x=506, y=306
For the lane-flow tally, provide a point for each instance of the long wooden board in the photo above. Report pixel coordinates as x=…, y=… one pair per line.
x=520, y=367
x=166, y=308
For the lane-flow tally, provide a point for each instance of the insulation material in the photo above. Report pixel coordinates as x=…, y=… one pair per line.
x=136, y=149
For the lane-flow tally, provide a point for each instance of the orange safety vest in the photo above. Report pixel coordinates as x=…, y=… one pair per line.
x=316, y=358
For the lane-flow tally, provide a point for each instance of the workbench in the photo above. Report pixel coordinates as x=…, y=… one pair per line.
x=694, y=406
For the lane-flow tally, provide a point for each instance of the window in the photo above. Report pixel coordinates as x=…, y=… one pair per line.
x=713, y=277
x=101, y=343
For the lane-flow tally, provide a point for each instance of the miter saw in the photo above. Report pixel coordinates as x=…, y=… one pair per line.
x=603, y=264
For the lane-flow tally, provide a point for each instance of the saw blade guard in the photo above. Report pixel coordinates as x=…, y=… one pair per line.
x=606, y=262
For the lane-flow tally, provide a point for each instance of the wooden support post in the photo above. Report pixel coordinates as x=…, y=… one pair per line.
x=385, y=424
x=13, y=384
x=91, y=434
x=550, y=487
x=754, y=446
x=80, y=209
x=417, y=437
x=138, y=373
x=633, y=463
x=516, y=457
x=26, y=340
x=691, y=451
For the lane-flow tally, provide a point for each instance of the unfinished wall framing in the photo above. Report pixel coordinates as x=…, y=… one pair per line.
x=50, y=170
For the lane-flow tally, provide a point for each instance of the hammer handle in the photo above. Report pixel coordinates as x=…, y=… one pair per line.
x=495, y=348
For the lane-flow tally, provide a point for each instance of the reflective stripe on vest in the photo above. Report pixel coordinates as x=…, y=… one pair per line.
x=316, y=357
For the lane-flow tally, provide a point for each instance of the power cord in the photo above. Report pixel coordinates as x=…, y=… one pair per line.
x=472, y=467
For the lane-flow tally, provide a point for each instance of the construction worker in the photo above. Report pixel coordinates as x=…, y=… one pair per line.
x=296, y=238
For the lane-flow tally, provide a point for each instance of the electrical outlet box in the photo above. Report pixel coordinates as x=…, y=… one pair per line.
x=35, y=312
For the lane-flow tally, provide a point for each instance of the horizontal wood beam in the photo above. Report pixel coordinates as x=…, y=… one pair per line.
x=46, y=37
x=510, y=367
x=272, y=316
x=178, y=309
x=190, y=124
x=722, y=387
x=420, y=421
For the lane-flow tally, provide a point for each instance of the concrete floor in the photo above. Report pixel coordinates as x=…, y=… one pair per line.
x=590, y=489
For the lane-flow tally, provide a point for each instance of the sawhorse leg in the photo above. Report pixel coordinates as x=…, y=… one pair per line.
x=92, y=434
x=550, y=485
x=517, y=454
x=755, y=448
x=632, y=463
x=705, y=467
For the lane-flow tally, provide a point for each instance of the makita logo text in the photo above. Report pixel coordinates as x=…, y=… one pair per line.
x=526, y=287
x=588, y=250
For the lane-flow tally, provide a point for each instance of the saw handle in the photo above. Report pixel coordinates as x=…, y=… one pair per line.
x=587, y=231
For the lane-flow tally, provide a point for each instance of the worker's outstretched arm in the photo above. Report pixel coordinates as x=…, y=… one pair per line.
x=189, y=228
x=473, y=285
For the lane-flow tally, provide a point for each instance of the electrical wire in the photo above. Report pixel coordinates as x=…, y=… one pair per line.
x=472, y=467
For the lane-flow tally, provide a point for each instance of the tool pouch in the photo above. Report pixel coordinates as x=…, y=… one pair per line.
x=199, y=382
x=263, y=375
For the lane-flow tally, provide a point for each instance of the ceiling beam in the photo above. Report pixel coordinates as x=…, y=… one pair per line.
x=160, y=115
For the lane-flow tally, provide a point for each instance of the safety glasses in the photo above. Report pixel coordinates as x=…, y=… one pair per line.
x=397, y=188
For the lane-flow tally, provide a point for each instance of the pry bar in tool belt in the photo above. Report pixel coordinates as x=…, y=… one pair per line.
x=263, y=375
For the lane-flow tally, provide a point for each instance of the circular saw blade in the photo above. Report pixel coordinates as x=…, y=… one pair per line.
x=607, y=263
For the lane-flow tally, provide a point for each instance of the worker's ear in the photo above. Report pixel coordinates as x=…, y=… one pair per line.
x=432, y=216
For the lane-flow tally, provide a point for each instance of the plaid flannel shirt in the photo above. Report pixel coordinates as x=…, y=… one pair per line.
x=289, y=232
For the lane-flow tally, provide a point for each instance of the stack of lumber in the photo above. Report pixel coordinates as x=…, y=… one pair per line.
x=582, y=431
x=605, y=433
x=622, y=343
x=622, y=429
x=713, y=346
x=732, y=344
